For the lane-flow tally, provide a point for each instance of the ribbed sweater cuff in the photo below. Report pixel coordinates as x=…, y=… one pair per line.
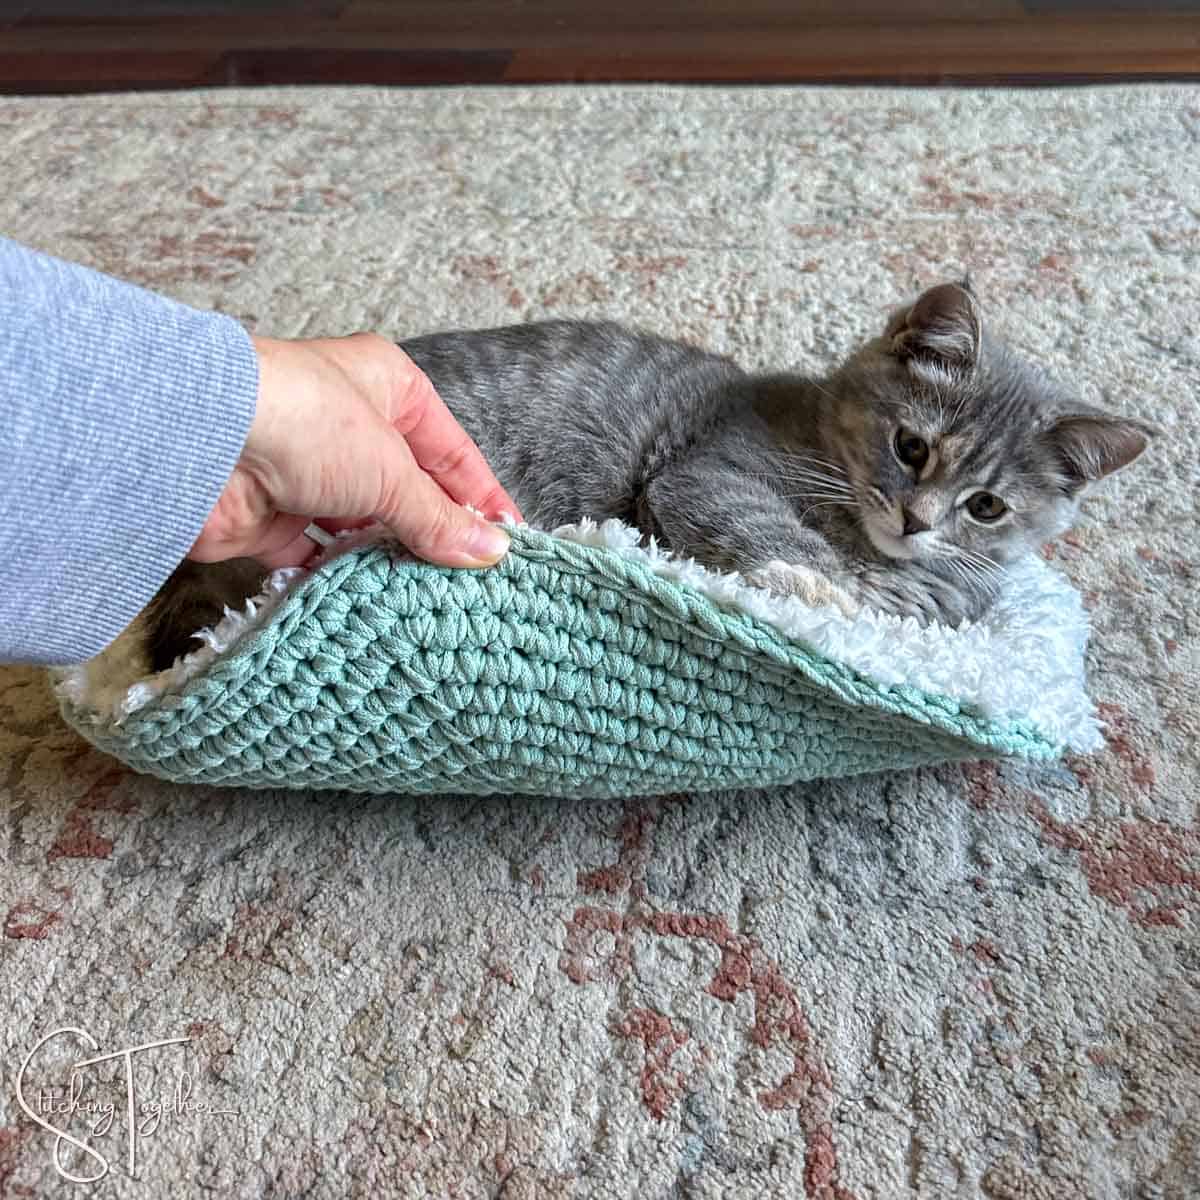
x=123, y=416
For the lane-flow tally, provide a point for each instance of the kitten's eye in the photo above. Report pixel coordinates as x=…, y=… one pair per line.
x=983, y=506
x=911, y=450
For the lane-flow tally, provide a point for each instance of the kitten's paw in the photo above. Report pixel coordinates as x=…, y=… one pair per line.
x=903, y=594
x=815, y=589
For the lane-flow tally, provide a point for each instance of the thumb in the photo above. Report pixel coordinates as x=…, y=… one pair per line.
x=427, y=521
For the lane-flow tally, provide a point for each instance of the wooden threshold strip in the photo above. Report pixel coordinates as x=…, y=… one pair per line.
x=324, y=51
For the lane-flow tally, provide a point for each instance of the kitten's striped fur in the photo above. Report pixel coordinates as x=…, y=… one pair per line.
x=745, y=472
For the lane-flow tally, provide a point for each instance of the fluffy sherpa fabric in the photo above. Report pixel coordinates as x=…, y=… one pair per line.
x=585, y=666
x=974, y=981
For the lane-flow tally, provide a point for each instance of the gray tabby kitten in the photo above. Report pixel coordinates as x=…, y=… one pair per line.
x=905, y=481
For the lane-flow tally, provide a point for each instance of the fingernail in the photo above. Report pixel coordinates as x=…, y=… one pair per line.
x=488, y=544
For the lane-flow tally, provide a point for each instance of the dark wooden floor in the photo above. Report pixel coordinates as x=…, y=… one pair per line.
x=88, y=45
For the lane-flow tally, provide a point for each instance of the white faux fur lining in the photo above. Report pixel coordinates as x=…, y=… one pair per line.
x=1023, y=661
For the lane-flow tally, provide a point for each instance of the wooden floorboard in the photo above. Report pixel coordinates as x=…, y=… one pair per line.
x=76, y=45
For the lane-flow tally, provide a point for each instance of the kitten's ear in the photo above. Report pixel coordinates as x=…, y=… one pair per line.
x=943, y=325
x=1091, y=444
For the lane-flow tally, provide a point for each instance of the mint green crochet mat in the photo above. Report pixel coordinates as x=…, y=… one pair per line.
x=569, y=669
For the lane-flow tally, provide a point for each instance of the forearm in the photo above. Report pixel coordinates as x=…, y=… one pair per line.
x=108, y=392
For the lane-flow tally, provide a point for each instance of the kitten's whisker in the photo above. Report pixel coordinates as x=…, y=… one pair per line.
x=971, y=578
x=792, y=466
x=833, y=485
x=978, y=576
x=822, y=504
x=962, y=403
x=979, y=558
x=805, y=464
x=832, y=497
x=795, y=468
x=974, y=570
x=824, y=391
x=977, y=571
x=811, y=456
x=806, y=456
x=962, y=552
x=796, y=465
x=975, y=584
x=954, y=570
x=819, y=485
x=787, y=458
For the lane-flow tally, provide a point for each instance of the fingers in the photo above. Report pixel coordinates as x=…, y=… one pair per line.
x=277, y=541
x=328, y=440
x=424, y=517
x=443, y=449
x=293, y=551
x=439, y=443
x=442, y=533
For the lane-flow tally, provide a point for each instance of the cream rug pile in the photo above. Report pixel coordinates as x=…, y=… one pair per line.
x=961, y=982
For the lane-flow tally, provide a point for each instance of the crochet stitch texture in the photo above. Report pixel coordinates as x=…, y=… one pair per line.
x=567, y=670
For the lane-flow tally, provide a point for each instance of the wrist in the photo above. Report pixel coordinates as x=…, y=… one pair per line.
x=279, y=387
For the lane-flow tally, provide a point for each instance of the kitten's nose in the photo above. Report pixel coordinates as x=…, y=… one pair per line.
x=912, y=524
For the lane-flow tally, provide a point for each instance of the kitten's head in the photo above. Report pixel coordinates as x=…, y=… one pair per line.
x=956, y=448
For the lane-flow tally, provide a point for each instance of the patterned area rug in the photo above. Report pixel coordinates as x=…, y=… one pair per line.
x=961, y=982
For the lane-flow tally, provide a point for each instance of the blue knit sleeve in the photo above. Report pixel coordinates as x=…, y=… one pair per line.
x=122, y=414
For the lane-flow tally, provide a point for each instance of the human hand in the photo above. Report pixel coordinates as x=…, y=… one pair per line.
x=349, y=429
